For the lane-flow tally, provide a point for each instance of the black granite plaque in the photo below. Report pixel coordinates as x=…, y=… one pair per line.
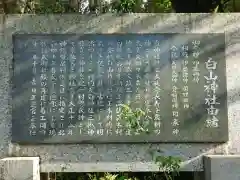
x=68, y=88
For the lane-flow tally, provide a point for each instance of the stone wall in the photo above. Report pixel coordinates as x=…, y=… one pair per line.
x=118, y=157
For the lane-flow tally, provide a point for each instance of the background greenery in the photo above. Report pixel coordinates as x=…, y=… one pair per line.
x=122, y=176
x=125, y=6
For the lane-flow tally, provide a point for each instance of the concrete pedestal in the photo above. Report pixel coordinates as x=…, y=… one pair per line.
x=222, y=167
x=216, y=167
x=20, y=168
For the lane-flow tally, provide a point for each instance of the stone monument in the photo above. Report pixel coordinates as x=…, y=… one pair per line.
x=64, y=77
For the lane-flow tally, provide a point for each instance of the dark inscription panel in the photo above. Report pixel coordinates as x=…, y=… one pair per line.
x=68, y=88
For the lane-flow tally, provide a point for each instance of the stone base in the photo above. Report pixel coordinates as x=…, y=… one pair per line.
x=222, y=167
x=20, y=168
x=216, y=167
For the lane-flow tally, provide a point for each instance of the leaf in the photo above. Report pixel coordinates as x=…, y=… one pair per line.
x=216, y=9
x=122, y=178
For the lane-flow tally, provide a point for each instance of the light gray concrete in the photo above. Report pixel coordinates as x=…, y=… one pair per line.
x=120, y=157
x=222, y=167
x=20, y=168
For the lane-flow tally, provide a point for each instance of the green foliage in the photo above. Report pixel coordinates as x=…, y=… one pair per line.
x=169, y=164
x=107, y=176
x=53, y=6
x=126, y=6
x=38, y=7
x=230, y=6
x=119, y=6
x=220, y=6
x=152, y=6
x=159, y=6
x=136, y=119
x=101, y=176
x=123, y=6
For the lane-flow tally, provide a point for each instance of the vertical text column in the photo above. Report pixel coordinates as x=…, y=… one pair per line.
x=175, y=104
x=62, y=86
x=81, y=87
x=157, y=90
x=91, y=128
x=210, y=89
x=119, y=87
x=43, y=87
x=100, y=88
x=33, y=101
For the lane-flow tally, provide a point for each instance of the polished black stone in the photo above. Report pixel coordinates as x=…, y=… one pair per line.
x=92, y=92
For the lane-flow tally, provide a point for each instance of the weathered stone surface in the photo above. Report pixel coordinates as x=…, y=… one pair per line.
x=156, y=23
x=1, y=23
x=222, y=167
x=69, y=155
x=20, y=168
